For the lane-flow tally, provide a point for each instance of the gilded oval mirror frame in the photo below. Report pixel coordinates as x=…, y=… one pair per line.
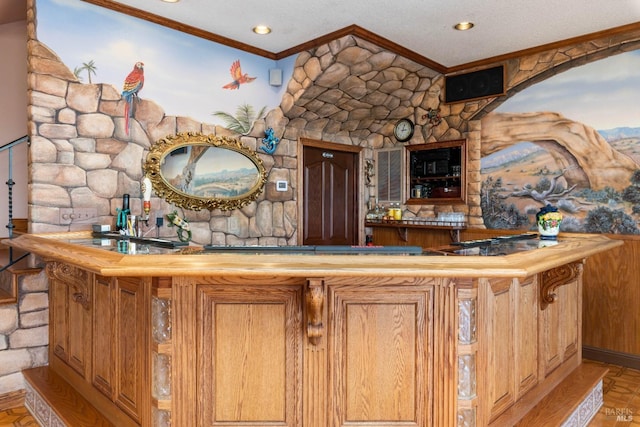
x=196, y=171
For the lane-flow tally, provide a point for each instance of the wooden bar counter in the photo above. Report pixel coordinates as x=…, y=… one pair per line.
x=208, y=338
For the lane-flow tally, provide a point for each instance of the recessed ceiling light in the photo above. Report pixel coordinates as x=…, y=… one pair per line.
x=171, y=1
x=463, y=26
x=261, y=29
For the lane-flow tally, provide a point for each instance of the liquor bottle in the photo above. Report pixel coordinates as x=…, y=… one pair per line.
x=121, y=218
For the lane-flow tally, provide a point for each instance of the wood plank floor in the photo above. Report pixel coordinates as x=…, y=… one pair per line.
x=621, y=387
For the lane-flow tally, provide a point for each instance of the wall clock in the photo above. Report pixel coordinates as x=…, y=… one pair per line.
x=403, y=130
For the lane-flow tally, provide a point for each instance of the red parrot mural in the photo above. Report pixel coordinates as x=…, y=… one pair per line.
x=237, y=76
x=132, y=85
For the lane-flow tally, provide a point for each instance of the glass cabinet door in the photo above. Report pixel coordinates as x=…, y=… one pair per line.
x=437, y=172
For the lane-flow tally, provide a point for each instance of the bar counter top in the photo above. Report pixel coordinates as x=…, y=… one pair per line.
x=110, y=257
x=475, y=333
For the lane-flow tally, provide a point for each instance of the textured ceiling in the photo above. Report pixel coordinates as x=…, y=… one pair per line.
x=423, y=27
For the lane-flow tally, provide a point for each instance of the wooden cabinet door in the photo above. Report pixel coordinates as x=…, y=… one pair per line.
x=559, y=337
x=249, y=358
x=70, y=324
x=131, y=365
x=381, y=355
x=510, y=368
x=104, y=336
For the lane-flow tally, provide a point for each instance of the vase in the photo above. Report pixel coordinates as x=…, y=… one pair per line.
x=548, y=230
x=548, y=220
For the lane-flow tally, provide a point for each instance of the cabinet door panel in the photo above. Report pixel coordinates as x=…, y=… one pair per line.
x=79, y=332
x=526, y=332
x=59, y=301
x=250, y=356
x=498, y=299
x=130, y=363
x=71, y=321
x=381, y=356
x=379, y=379
x=103, y=336
x=560, y=325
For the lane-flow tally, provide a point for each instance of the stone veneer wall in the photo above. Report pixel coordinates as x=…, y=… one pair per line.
x=24, y=331
x=347, y=91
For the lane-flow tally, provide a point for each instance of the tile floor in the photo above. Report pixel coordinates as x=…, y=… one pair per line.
x=17, y=417
x=621, y=388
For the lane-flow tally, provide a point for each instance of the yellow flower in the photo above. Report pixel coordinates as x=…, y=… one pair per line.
x=551, y=216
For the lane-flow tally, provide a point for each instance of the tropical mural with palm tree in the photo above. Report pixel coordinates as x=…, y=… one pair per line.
x=89, y=67
x=243, y=120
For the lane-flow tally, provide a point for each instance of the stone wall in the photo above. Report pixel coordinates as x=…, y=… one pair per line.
x=82, y=157
x=24, y=330
x=348, y=92
x=352, y=92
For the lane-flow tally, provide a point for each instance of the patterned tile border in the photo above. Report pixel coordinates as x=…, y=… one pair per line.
x=587, y=409
x=40, y=410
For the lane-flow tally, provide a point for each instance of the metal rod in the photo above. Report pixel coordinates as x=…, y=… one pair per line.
x=14, y=143
x=10, y=183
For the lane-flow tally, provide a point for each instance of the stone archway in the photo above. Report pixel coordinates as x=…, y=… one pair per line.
x=588, y=160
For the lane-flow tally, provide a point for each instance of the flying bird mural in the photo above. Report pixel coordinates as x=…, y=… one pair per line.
x=132, y=85
x=237, y=76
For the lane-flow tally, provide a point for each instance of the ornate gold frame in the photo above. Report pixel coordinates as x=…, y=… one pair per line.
x=159, y=150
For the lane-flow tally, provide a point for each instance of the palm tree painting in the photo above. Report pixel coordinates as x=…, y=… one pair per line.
x=243, y=120
x=89, y=67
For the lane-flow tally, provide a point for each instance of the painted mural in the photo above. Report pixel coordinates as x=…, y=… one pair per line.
x=218, y=85
x=572, y=141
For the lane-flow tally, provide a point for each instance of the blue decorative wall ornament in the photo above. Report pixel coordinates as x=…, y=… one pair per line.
x=270, y=141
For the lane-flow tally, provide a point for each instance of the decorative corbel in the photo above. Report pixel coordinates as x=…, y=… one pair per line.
x=76, y=279
x=315, y=297
x=81, y=299
x=552, y=279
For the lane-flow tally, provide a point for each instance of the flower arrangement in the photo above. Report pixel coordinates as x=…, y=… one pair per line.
x=548, y=220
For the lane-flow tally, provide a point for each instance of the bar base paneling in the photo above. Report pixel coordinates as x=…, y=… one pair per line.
x=190, y=338
x=610, y=286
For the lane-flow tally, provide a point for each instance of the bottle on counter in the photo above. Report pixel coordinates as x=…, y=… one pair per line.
x=397, y=213
x=391, y=212
x=121, y=218
x=369, y=240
